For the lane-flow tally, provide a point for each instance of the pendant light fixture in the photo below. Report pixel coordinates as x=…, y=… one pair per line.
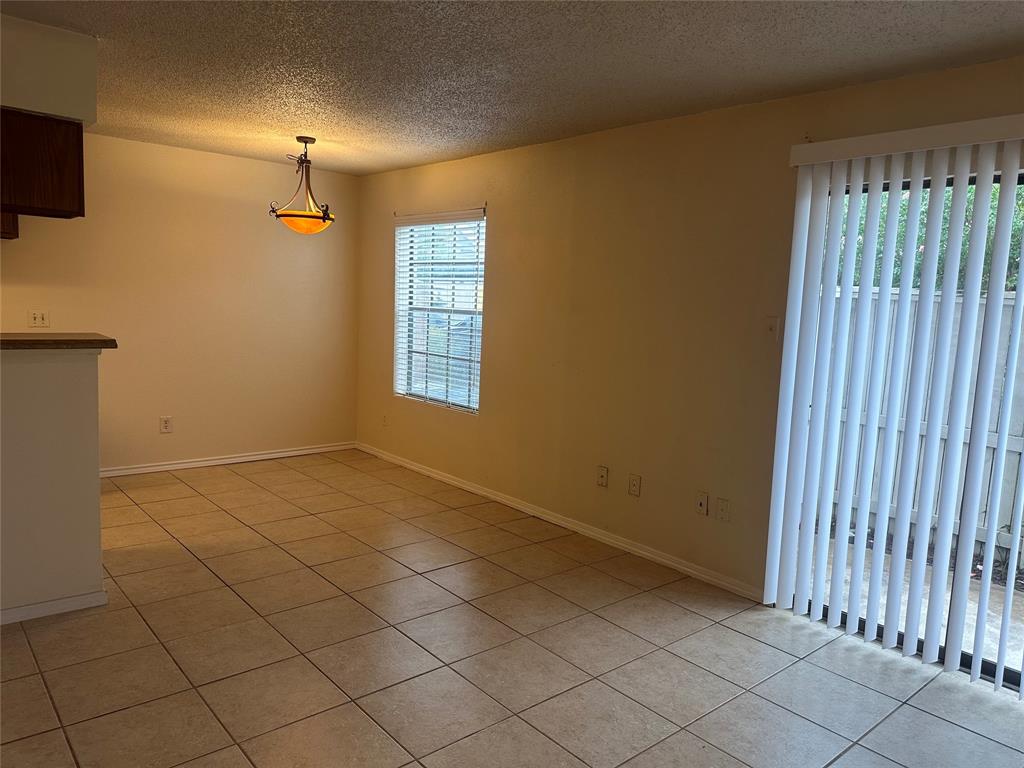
x=312, y=217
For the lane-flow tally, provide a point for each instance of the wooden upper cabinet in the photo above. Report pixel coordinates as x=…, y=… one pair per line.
x=8, y=226
x=41, y=165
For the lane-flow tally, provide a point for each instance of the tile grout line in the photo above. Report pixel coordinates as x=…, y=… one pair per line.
x=859, y=743
x=908, y=703
x=49, y=696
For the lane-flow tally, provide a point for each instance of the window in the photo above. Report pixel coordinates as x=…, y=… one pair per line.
x=439, y=301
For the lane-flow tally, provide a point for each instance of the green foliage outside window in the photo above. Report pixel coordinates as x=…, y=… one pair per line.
x=1017, y=231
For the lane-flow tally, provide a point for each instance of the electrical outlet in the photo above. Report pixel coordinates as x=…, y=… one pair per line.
x=702, y=503
x=385, y=420
x=166, y=425
x=602, y=476
x=38, y=318
x=634, y=485
x=722, y=510
x=772, y=325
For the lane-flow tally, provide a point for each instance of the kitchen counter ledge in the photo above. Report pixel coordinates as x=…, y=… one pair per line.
x=56, y=341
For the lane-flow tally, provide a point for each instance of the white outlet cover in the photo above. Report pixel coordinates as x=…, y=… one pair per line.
x=722, y=509
x=702, y=503
x=38, y=318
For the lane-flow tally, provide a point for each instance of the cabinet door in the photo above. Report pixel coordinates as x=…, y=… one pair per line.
x=41, y=165
x=9, y=226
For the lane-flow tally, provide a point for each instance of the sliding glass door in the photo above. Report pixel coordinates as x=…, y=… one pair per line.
x=898, y=484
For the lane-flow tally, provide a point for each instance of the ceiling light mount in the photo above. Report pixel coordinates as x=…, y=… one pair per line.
x=312, y=217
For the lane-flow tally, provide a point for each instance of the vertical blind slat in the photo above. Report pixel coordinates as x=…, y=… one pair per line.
x=939, y=380
x=1013, y=560
x=897, y=374
x=907, y=479
x=790, y=339
x=858, y=358
x=1014, y=557
x=873, y=409
x=949, y=476
x=982, y=403
x=833, y=423
x=802, y=386
x=819, y=390
x=996, y=493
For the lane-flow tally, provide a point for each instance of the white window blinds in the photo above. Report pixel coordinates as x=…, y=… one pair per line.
x=898, y=485
x=439, y=301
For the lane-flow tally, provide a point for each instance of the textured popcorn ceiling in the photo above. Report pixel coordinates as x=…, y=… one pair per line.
x=388, y=85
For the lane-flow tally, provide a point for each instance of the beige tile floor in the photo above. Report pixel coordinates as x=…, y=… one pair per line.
x=335, y=610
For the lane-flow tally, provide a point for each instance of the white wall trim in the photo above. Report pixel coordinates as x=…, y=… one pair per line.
x=931, y=137
x=50, y=607
x=237, y=458
x=691, y=569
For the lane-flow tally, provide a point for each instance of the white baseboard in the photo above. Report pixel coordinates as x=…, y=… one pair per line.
x=704, y=574
x=50, y=607
x=137, y=469
x=691, y=569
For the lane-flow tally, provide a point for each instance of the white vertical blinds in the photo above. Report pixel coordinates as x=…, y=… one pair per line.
x=898, y=490
x=439, y=295
x=897, y=373
x=949, y=483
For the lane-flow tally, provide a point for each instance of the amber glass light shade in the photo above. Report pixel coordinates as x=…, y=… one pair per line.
x=312, y=217
x=305, y=222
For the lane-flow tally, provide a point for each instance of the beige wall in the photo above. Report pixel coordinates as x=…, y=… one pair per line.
x=240, y=329
x=630, y=275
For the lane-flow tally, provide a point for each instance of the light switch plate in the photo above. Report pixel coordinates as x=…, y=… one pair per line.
x=634, y=485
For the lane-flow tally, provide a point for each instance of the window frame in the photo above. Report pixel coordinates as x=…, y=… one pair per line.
x=476, y=216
